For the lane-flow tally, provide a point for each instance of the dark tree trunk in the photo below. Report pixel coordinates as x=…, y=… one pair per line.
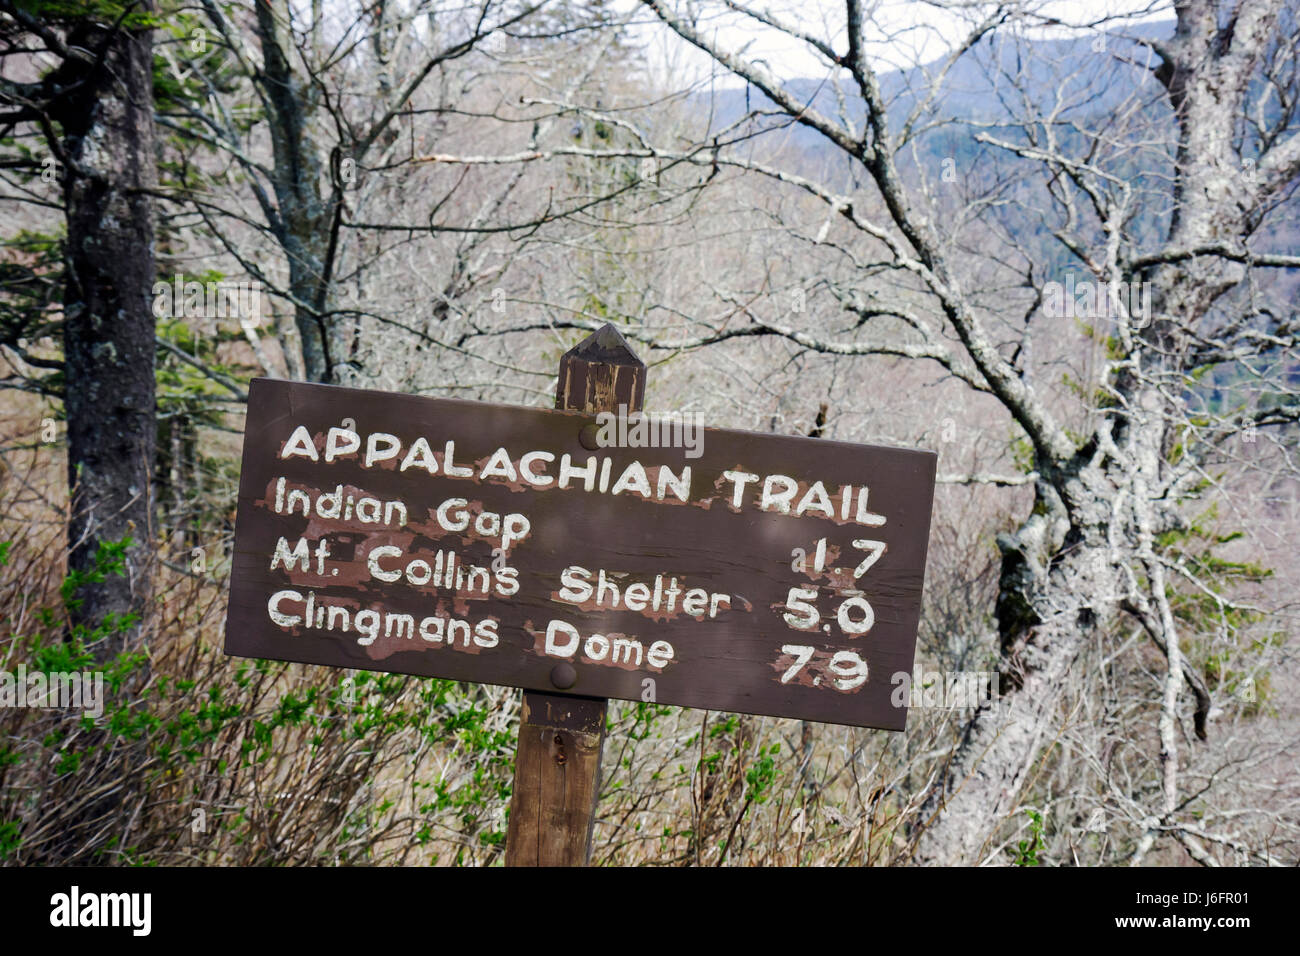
x=108, y=337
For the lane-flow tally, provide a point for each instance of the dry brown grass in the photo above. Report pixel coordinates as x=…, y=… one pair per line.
x=204, y=759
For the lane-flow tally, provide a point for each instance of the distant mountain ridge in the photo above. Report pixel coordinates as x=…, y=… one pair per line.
x=975, y=87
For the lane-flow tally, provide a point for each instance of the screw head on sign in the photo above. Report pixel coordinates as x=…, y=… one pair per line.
x=564, y=676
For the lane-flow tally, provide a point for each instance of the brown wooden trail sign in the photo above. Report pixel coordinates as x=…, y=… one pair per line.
x=559, y=551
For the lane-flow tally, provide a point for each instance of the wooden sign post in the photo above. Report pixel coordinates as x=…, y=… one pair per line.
x=557, y=761
x=580, y=554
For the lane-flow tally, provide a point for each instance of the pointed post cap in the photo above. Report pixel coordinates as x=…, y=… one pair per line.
x=601, y=373
x=605, y=346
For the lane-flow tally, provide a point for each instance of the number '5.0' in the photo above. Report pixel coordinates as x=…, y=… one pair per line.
x=854, y=614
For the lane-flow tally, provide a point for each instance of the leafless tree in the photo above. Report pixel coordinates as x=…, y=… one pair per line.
x=1180, y=193
x=336, y=87
x=1061, y=254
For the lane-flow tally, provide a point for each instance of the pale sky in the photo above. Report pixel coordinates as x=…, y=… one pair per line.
x=902, y=33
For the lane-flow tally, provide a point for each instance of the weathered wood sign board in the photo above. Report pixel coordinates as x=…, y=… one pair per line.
x=743, y=572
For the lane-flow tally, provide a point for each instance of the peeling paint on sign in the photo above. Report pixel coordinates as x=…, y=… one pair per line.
x=484, y=542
